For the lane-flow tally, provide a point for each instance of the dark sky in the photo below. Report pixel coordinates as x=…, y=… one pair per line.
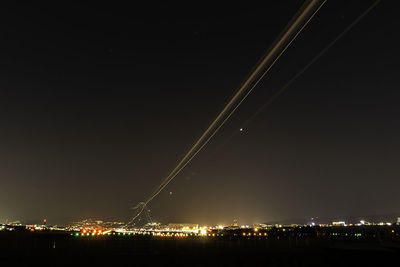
x=98, y=103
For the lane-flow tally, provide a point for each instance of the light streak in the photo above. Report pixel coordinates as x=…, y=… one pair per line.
x=294, y=28
x=304, y=69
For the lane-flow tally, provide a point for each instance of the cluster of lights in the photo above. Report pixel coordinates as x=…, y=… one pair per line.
x=36, y=227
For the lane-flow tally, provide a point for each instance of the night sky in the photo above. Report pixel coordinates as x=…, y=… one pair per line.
x=98, y=103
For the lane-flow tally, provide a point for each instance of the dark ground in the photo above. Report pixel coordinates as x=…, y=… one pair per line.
x=52, y=249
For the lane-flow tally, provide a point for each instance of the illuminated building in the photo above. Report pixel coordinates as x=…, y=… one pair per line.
x=338, y=223
x=183, y=227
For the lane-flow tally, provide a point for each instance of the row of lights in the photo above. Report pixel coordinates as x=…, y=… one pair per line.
x=96, y=232
x=143, y=233
x=254, y=234
x=172, y=234
x=336, y=234
x=99, y=232
x=84, y=233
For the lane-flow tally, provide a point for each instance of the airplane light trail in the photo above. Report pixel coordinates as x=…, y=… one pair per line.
x=285, y=39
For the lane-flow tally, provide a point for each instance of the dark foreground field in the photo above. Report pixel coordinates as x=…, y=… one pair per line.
x=55, y=249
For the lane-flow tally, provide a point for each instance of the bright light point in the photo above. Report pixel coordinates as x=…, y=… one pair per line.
x=170, y=192
x=241, y=129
